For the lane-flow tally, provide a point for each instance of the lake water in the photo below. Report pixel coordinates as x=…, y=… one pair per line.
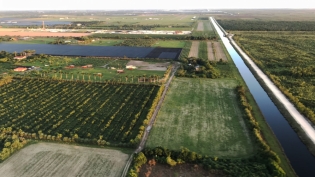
x=301, y=159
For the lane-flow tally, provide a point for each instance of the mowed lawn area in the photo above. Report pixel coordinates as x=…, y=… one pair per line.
x=204, y=116
x=49, y=159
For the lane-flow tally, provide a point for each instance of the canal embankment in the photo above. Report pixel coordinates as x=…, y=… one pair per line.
x=295, y=150
x=300, y=123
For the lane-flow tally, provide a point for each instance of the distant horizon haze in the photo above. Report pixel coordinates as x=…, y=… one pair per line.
x=20, y=5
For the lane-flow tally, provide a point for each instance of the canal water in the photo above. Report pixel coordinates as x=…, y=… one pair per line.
x=302, y=161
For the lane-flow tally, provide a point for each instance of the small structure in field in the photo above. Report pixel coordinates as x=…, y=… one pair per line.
x=20, y=57
x=20, y=69
x=131, y=67
x=120, y=71
x=89, y=66
x=71, y=66
x=84, y=66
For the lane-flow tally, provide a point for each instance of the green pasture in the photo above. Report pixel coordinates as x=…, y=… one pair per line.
x=204, y=116
x=169, y=43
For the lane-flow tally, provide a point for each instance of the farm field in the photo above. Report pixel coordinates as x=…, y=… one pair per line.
x=207, y=26
x=203, y=50
x=288, y=59
x=49, y=159
x=219, y=53
x=194, y=49
x=210, y=51
x=200, y=26
x=203, y=116
x=169, y=43
x=63, y=109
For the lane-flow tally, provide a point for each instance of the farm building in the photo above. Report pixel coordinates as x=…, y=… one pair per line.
x=120, y=71
x=19, y=57
x=20, y=69
x=131, y=67
x=71, y=66
x=89, y=66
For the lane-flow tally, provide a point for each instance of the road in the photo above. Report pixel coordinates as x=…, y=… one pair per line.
x=290, y=108
x=152, y=120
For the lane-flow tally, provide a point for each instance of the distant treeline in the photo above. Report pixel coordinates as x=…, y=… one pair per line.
x=255, y=25
x=155, y=36
x=120, y=26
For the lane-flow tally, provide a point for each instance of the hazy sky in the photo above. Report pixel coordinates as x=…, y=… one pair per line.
x=150, y=4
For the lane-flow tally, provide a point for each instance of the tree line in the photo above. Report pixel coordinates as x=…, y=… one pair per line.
x=259, y=25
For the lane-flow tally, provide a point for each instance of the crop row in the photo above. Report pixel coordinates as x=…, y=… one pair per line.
x=87, y=110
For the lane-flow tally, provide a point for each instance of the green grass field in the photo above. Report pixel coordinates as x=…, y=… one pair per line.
x=45, y=40
x=203, y=116
x=169, y=43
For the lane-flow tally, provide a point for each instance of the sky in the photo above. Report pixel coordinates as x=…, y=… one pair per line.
x=151, y=4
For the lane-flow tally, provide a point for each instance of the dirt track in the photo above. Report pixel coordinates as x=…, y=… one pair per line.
x=210, y=51
x=219, y=53
x=194, y=49
x=33, y=33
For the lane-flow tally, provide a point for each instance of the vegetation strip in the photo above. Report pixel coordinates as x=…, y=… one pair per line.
x=210, y=51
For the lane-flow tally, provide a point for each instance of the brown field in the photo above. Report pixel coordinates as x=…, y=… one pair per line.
x=219, y=53
x=49, y=159
x=20, y=32
x=194, y=49
x=142, y=65
x=210, y=52
x=200, y=26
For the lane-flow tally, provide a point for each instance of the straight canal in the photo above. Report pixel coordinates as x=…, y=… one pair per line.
x=302, y=161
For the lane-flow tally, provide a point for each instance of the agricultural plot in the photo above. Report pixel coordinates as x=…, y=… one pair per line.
x=207, y=26
x=49, y=159
x=203, y=116
x=194, y=49
x=219, y=53
x=210, y=51
x=200, y=26
x=65, y=108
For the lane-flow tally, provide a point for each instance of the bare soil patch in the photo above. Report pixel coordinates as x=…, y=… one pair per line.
x=210, y=52
x=194, y=49
x=200, y=26
x=15, y=32
x=49, y=159
x=219, y=53
x=142, y=65
x=185, y=170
